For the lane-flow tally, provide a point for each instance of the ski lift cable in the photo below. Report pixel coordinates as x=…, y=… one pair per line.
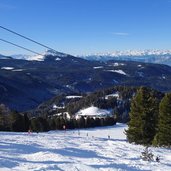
x=20, y=46
x=27, y=38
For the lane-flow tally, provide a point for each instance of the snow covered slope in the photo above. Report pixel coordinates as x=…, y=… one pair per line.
x=86, y=150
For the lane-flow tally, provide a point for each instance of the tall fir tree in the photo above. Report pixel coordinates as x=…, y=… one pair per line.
x=4, y=118
x=163, y=136
x=143, y=117
x=17, y=122
x=26, y=122
x=134, y=133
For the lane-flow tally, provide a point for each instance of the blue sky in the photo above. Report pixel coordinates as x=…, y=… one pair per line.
x=86, y=26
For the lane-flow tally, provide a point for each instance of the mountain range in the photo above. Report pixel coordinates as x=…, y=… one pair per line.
x=25, y=83
x=148, y=56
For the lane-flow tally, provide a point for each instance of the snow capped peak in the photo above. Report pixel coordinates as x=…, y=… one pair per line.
x=40, y=57
x=46, y=54
x=36, y=58
x=118, y=53
x=149, y=56
x=20, y=56
x=4, y=57
x=29, y=57
x=51, y=52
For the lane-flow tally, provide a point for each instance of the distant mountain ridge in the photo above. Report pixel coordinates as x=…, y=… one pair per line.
x=24, y=84
x=5, y=57
x=148, y=56
x=40, y=57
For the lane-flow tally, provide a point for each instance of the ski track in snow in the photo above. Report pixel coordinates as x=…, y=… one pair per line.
x=82, y=150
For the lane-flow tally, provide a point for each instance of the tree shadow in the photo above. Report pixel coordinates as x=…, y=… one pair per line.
x=10, y=162
x=115, y=166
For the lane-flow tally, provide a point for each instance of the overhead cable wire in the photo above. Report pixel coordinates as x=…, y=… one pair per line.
x=27, y=38
x=20, y=46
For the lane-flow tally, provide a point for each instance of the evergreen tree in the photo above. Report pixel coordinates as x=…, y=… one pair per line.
x=26, y=122
x=110, y=121
x=97, y=121
x=39, y=124
x=58, y=123
x=4, y=118
x=81, y=122
x=134, y=130
x=62, y=123
x=34, y=124
x=17, y=122
x=2, y=124
x=143, y=117
x=163, y=136
x=52, y=124
x=89, y=122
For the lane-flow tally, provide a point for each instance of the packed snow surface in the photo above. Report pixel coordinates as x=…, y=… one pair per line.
x=83, y=150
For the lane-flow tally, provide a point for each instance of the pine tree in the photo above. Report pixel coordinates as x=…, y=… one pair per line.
x=35, y=125
x=39, y=124
x=17, y=122
x=58, y=123
x=163, y=136
x=134, y=133
x=81, y=122
x=26, y=122
x=143, y=117
x=1, y=121
x=4, y=118
x=52, y=124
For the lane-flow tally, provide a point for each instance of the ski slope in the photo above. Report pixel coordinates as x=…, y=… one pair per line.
x=83, y=150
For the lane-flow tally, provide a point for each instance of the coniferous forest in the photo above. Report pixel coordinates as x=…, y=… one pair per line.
x=150, y=119
x=147, y=112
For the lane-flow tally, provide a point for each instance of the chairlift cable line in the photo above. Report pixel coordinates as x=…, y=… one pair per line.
x=20, y=46
x=27, y=38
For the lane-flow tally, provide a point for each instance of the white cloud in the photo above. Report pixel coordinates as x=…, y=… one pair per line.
x=120, y=33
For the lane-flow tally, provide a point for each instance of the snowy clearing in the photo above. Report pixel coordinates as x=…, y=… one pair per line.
x=7, y=68
x=84, y=150
x=93, y=111
x=112, y=95
x=58, y=59
x=73, y=97
x=118, y=71
x=98, y=67
x=118, y=64
x=18, y=70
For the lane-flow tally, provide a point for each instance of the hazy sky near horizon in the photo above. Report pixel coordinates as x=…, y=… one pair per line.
x=86, y=26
